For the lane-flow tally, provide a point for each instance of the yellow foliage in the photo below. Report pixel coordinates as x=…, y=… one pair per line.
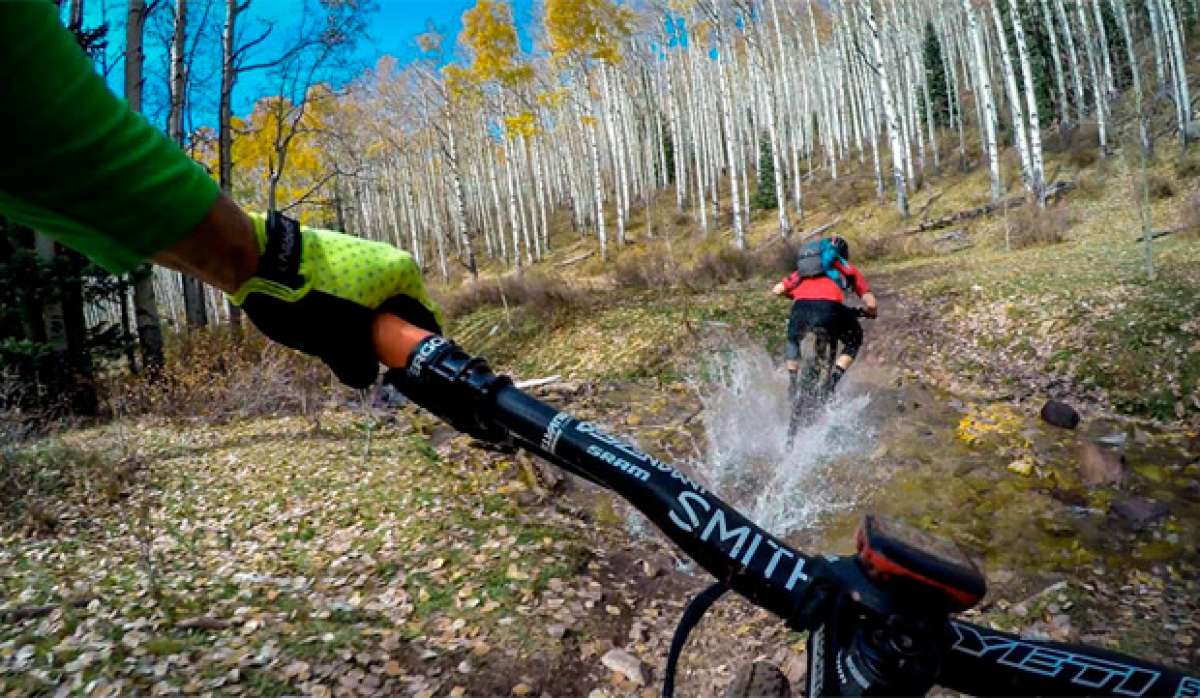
x=587, y=28
x=489, y=32
x=523, y=124
x=256, y=155
x=552, y=99
x=996, y=420
x=460, y=84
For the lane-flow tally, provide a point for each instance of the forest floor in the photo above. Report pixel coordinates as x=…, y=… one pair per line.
x=368, y=550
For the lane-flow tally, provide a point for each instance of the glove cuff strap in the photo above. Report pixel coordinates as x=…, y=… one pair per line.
x=280, y=261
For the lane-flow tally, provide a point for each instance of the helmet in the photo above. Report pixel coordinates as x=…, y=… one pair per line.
x=843, y=248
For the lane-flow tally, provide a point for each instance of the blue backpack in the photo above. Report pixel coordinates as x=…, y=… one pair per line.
x=817, y=258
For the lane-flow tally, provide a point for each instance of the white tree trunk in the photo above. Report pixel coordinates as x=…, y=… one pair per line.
x=983, y=94
x=1097, y=86
x=1060, y=82
x=739, y=231
x=1037, y=166
x=1122, y=15
x=1073, y=60
x=1017, y=114
x=895, y=138
x=1183, y=98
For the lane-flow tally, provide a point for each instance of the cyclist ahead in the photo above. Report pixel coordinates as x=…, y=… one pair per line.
x=818, y=291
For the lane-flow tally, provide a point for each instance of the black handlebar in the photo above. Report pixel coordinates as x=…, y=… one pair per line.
x=804, y=591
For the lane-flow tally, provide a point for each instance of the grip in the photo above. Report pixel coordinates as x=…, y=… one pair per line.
x=395, y=339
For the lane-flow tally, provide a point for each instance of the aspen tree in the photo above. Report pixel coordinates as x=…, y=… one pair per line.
x=145, y=303
x=1020, y=135
x=983, y=94
x=1056, y=61
x=889, y=109
x=1037, y=166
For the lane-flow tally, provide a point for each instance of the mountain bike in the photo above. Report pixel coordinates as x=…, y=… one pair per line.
x=879, y=622
x=813, y=389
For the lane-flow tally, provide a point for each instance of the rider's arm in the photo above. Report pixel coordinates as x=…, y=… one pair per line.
x=784, y=288
x=861, y=287
x=77, y=164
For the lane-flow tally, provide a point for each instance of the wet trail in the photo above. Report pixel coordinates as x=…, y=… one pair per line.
x=892, y=444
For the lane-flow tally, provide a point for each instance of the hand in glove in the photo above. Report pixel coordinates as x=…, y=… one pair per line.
x=318, y=291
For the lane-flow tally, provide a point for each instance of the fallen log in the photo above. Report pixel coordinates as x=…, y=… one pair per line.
x=576, y=259
x=1053, y=191
x=202, y=623
x=1156, y=234
x=820, y=229
x=536, y=382
x=13, y=615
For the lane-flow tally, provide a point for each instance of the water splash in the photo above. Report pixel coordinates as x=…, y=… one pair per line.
x=748, y=460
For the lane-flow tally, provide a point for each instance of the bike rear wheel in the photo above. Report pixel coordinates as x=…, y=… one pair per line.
x=759, y=680
x=815, y=371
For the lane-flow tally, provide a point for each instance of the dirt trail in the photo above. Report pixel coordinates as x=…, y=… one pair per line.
x=1124, y=584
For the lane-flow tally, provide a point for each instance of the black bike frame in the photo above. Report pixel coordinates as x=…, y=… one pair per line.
x=461, y=389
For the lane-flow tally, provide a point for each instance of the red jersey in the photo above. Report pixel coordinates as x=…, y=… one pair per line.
x=823, y=288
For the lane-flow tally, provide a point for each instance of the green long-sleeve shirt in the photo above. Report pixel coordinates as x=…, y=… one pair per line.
x=76, y=162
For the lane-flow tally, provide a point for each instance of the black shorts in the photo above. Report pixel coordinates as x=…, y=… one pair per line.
x=837, y=321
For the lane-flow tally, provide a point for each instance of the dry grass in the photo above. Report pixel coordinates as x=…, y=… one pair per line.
x=877, y=247
x=1189, y=216
x=645, y=267
x=36, y=482
x=1030, y=226
x=709, y=262
x=214, y=375
x=1159, y=186
x=1079, y=146
x=542, y=294
x=1187, y=166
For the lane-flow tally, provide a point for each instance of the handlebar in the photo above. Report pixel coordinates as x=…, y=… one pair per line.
x=830, y=596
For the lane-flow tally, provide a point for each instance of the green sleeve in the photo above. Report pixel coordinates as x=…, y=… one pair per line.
x=75, y=162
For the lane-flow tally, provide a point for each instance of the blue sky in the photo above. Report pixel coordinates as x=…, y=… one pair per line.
x=391, y=30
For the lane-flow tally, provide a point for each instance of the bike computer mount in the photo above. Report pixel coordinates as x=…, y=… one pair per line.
x=911, y=562
x=886, y=633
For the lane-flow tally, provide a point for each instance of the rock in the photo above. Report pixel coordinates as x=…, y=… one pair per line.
x=1113, y=440
x=1022, y=467
x=655, y=565
x=389, y=396
x=625, y=664
x=637, y=632
x=1060, y=414
x=556, y=630
x=1002, y=576
x=1099, y=465
x=795, y=668
x=1139, y=511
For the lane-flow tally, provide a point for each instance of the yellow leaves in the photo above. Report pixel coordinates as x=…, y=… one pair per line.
x=489, y=31
x=523, y=124
x=591, y=29
x=460, y=83
x=553, y=99
x=996, y=420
